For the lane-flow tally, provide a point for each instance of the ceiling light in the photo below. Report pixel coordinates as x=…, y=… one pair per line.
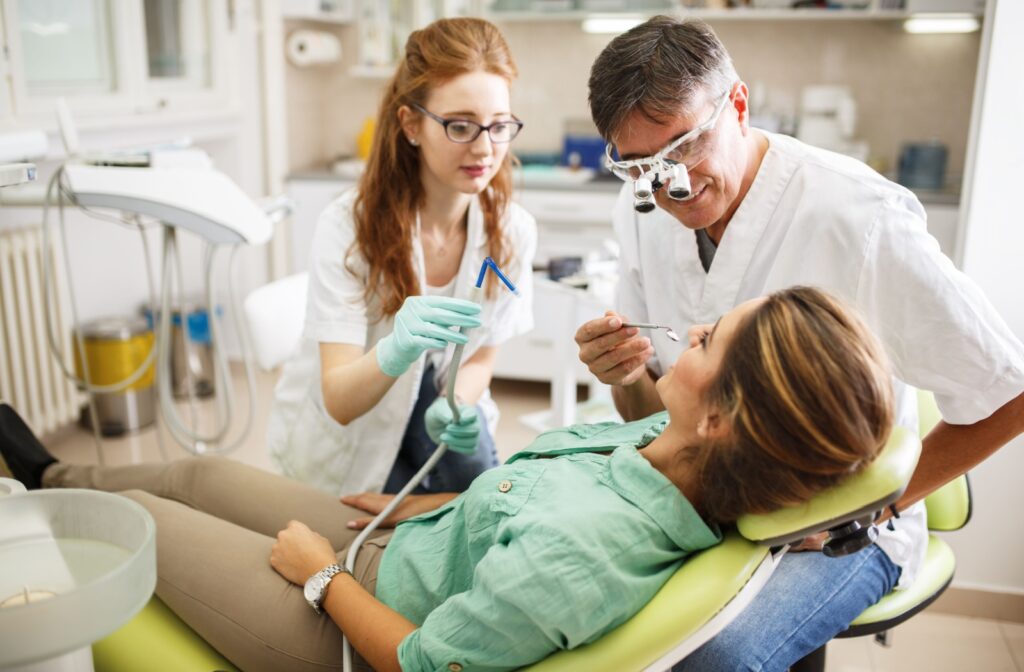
x=618, y=24
x=941, y=23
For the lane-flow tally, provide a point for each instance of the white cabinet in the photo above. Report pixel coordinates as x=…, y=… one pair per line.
x=558, y=310
x=943, y=220
x=570, y=222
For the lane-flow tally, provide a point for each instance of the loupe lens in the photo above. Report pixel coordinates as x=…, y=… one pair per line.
x=644, y=204
x=642, y=189
x=679, y=187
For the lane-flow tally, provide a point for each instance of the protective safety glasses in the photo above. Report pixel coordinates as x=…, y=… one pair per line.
x=465, y=131
x=688, y=149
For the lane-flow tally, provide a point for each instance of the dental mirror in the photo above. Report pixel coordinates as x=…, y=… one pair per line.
x=643, y=325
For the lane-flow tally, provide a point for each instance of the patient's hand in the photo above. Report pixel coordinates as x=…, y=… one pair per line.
x=299, y=553
x=374, y=503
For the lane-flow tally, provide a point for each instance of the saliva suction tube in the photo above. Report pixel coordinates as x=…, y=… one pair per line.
x=353, y=552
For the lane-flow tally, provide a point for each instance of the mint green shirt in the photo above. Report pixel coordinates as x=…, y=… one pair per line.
x=540, y=554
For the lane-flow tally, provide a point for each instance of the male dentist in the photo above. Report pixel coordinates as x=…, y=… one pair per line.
x=768, y=212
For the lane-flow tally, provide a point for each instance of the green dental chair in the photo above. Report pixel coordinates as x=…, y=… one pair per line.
x=704, y=595
x=949, y=509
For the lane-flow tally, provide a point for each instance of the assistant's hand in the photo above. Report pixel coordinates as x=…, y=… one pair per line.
x=299, y=553
x=422, y=323
x=616, y=355
x=461, y=436
x=815, y=542
x=413, y=505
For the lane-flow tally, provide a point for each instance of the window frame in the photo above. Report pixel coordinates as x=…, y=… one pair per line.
x=135, y=95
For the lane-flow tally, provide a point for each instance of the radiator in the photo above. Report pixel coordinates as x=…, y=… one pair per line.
x=30, y=378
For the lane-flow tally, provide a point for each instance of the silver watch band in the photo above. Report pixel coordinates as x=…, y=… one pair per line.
x=325, y=575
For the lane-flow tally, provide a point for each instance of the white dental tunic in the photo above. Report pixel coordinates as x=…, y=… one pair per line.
x=816, y=218
x=305, y=443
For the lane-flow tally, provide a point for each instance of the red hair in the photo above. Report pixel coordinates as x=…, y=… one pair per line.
x=385, y=216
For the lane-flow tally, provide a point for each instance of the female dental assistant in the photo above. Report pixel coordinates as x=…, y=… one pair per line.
x=392, y=262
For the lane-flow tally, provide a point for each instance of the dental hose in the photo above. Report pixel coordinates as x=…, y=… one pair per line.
x=353, y=551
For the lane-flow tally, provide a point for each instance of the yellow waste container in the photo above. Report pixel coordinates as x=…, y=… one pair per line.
x=114, y=349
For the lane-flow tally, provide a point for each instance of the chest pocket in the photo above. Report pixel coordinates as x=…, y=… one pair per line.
x=501, y=493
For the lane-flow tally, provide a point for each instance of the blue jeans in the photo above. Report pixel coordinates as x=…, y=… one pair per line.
x=808, y=600
x=455, y=471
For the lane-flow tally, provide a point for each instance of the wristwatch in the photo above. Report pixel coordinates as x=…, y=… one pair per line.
x=316, y=585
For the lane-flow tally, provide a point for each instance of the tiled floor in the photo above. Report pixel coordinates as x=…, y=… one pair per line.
x=930, y=641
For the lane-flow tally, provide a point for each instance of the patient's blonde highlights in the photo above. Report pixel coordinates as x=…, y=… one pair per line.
x=390, y=190
x=807, y=394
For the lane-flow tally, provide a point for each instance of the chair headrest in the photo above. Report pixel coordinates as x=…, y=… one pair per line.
x=857, y=497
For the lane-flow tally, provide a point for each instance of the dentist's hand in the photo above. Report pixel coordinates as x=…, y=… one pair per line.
x=616, y=355
x=461, y=436
x=422, y=323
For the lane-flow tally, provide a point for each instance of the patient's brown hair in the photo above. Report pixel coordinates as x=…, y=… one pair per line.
x=807, y=394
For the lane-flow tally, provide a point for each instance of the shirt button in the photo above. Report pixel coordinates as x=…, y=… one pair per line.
x=455, y=667
x=504, y=486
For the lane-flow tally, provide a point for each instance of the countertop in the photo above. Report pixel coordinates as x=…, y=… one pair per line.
x=600, y=183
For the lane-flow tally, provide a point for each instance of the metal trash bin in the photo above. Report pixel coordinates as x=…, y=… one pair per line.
x=114, y=348
x=197, y=363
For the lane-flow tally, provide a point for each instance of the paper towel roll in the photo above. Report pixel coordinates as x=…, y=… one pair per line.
x=313, y=47
x=22, y=146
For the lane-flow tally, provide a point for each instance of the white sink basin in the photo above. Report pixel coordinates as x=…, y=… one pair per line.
x=87, y=561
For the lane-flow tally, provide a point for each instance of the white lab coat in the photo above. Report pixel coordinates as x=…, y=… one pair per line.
x=812, y=217
x=305, y=443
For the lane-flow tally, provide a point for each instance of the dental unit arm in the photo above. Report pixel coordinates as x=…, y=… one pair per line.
x=201, y=200
x=475, y=295
x=206, y=202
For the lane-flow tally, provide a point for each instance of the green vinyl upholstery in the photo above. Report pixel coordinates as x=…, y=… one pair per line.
x=157, y=641
x=862, y=494
x=948, y=508
x=697, y=591
x=899, y=605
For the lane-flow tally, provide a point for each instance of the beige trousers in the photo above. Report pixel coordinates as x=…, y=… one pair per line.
x=216, y=521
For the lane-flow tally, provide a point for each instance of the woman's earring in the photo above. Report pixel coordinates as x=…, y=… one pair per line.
x=414, y=142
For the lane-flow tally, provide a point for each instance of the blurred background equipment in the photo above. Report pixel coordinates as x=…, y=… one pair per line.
x=828, y=119
x=923, y=165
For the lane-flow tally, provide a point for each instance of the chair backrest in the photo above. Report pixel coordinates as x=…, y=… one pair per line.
x=949, y=507
x=276, y=313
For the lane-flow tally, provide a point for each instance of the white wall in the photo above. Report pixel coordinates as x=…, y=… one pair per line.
x=908, y=88
x=990, y=551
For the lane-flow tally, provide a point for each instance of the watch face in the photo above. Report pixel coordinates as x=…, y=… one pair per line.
x=314, y=586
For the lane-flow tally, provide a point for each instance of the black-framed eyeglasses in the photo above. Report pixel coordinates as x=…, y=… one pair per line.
x=464, y=131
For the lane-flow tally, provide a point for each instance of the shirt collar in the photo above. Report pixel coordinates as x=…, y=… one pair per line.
x=632, y=477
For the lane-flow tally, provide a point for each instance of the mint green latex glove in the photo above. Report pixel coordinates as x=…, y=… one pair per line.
x=461, y=436
x=422, y=323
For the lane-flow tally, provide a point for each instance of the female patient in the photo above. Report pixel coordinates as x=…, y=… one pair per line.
x=783, y=397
